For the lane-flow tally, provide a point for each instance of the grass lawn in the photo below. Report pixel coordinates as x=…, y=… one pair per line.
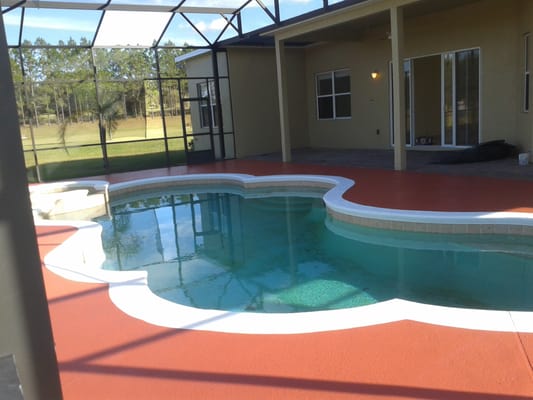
x=58, y=163
x=82, y=133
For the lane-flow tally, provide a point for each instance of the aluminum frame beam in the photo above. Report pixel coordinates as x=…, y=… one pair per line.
x=117, y=7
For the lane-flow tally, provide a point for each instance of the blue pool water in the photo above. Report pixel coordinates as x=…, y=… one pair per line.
x=284, y=254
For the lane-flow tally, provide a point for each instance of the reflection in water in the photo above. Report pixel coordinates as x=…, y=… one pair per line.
x=283, y=254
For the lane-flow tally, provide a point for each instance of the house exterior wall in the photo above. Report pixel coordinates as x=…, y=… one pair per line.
x=494, y=27
x=255, y=100
x=490, y=25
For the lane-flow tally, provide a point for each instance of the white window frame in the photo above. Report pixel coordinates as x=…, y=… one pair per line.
x=333, y=94
x=209, y=87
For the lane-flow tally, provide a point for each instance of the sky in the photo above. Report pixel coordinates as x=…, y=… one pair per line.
x=123, y=28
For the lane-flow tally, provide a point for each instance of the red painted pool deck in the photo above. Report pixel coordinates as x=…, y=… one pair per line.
x=105, y=354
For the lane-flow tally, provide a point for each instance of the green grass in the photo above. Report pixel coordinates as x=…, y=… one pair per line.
x=82, y=133
x=71, y=169
x=57, y=163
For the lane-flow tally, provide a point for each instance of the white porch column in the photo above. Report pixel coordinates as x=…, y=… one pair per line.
x=398, y=79
x=25, y=330
x=283, y=100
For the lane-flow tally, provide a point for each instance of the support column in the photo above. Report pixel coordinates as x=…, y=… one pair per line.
x=283, y=100
x=398, y=79
x=25, y=329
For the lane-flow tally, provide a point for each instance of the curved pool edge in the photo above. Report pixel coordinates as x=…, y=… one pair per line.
x=80, y=256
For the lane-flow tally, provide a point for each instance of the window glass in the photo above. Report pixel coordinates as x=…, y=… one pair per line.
x=342, y=82
x=324, y=84
x=207, y=108
x=325, y=107
x=467, y=97
x=343, y=106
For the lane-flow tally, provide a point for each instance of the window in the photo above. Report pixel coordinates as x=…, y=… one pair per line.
x=333, y=95
x=208, y=104
x=526, y=100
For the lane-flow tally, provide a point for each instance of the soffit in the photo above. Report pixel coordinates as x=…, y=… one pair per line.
x=355, y=22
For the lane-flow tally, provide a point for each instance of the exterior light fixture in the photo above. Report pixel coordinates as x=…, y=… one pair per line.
x=374, y=75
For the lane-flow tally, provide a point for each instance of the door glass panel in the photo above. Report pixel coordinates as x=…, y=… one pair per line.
x=427, y=100
x=467, y=97
x=407, y=72
x=448, y=98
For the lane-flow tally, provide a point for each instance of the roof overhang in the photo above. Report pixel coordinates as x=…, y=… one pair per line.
x=345, y=23
x=339, y=17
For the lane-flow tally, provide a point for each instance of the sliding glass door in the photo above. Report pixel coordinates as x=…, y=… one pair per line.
x=460, y=73
x=442, y=99
x=409, y=120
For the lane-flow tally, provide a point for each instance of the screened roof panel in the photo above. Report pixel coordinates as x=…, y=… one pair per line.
x=211, y=26
x=142, y=22
x=181, y=33
x=12, y=26
x=214, y=5
x=55, y=26
x=58, y=4
x=293, y=8
x=254, y=17
x=130, y=28
x=170, y=3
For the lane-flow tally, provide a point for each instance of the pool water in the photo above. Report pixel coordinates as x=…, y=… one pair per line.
x=225, y=251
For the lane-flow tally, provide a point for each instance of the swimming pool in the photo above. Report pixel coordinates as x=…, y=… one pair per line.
x=378, y=293
x=251, y=251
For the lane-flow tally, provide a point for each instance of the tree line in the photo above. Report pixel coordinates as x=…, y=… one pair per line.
x=72, y=82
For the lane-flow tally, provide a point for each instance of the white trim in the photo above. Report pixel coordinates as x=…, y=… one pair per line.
x=526, y=83
x=191, y=54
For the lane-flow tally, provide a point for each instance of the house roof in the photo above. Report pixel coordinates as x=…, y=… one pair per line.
x=191, y=54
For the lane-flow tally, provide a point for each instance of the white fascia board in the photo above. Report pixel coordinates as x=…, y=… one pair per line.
x=190, y=55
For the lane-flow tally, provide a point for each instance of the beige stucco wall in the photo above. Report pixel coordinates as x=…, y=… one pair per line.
x=202, y=67
x=369, y=100
x=254, y=94
x=490, y=25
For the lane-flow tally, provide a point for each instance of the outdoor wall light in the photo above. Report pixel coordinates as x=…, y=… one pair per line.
x=374, y=75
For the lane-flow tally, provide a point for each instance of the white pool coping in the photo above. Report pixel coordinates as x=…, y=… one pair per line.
x=79, y=259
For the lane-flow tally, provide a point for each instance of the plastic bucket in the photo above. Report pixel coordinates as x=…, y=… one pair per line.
x=523, y=159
